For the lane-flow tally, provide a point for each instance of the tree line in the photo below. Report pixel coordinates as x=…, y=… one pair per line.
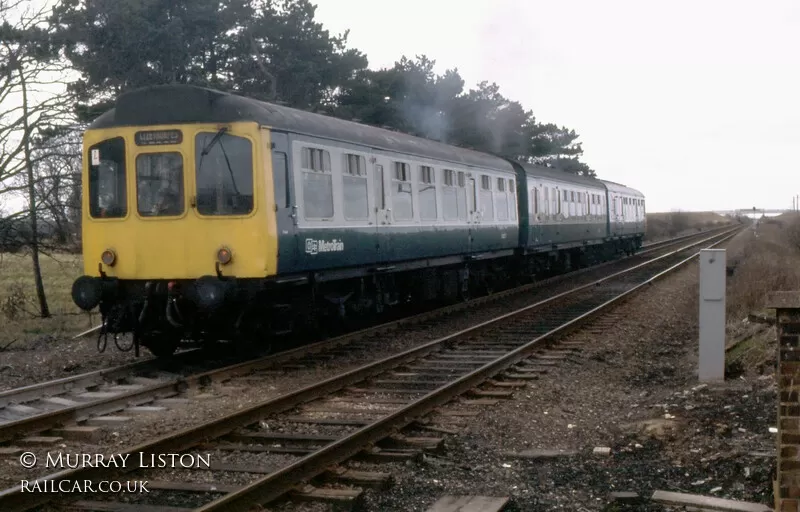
x=90, y=51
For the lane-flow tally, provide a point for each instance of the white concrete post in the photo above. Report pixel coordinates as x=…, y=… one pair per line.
x=712, y=315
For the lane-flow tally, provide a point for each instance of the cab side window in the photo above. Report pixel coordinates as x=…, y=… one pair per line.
x=107, y=190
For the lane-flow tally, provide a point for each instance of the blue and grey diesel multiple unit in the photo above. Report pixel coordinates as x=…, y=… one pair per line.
x=211, y=215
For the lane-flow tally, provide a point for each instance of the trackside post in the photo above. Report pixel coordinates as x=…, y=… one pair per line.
x=712, y=315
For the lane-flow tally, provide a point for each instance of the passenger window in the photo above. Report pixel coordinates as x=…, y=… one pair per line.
x=487, y=203
x=159, y=184
x=224, y=174
x=427, y=193
x=401, y=192
x=354, y=185
x=107, y=190
x=317, y=184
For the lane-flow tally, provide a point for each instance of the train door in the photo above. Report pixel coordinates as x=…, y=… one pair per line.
x=617, y=222
x=539, y=208
x=285, y=202
x=473, y=216
x=383, y=213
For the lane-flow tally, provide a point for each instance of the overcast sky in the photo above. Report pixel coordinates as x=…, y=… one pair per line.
x=695, y=103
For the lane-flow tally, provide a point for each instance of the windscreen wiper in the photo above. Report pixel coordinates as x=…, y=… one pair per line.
x=213, y=141
x=207, y=149
x=230, y=170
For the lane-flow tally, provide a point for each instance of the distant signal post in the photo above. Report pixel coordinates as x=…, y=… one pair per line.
x=712, y=315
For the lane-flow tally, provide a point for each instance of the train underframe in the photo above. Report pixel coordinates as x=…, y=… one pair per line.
x=260, y=314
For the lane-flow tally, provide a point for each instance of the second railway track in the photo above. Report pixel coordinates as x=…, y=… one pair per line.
x=357, y=409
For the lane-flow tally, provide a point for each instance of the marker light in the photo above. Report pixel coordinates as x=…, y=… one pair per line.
x=224, y=255
x=108, y=257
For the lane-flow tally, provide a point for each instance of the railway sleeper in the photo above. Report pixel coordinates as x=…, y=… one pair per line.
x=407, y=442
x=372, y=479
x=379, y=455
x=326, y=495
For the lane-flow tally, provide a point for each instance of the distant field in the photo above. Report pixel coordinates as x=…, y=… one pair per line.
x=19, y=306
x=668, y=224
x=764, y=260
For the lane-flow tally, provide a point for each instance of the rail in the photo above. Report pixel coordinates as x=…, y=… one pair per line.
x=545, y=318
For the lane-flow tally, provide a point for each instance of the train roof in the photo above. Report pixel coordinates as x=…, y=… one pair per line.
x=179, y=104
x=559, y=175
x=622, y=189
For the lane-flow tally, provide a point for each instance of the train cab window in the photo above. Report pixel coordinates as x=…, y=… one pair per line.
x=107, y=190
x=487, y=201
x=317, y=183
x=354, y=186
x=224, y=174
x=427, y=193
x=159, y=184
x=401, y=192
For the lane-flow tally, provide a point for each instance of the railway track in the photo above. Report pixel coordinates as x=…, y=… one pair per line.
x=73, y=407
x=361, y=408
x=645, y=247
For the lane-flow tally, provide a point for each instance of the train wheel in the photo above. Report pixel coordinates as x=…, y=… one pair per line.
x=254, y=330
x=161, y=344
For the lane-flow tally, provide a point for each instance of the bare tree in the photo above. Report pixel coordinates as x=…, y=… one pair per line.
x=33, y=104
x=58, y=188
